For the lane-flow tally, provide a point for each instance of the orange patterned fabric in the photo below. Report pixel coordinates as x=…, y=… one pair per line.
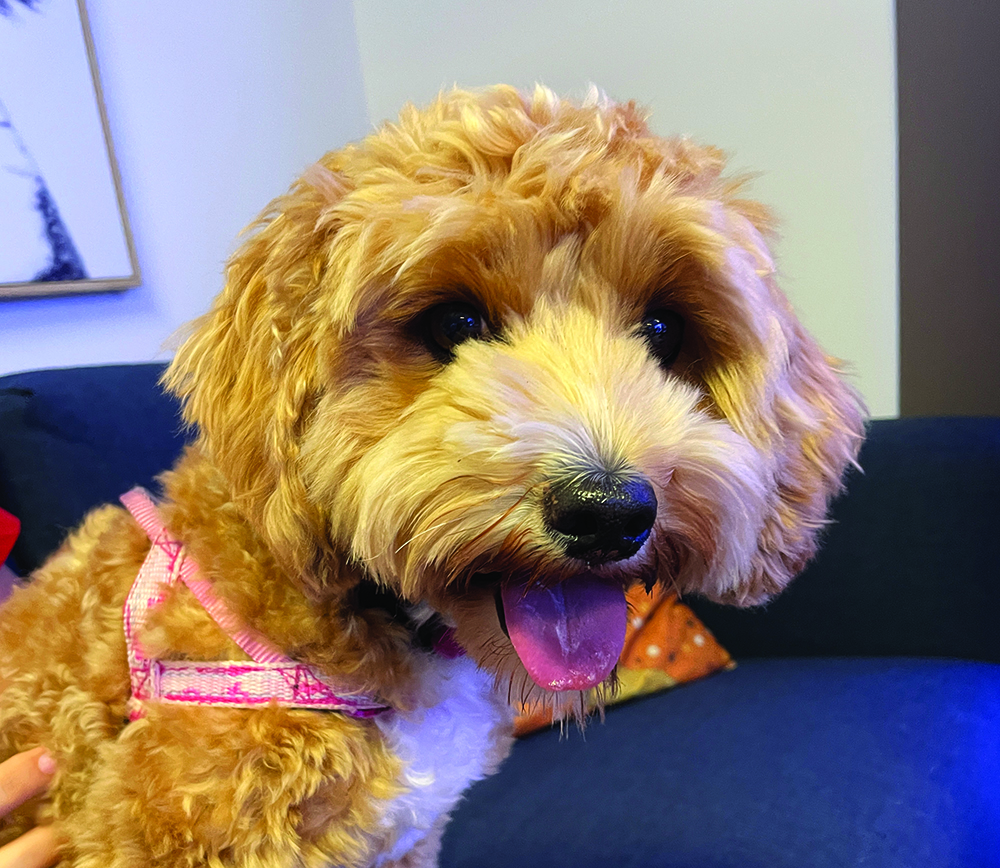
x=665, y=645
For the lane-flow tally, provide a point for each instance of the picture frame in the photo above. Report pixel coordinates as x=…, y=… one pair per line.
x=64, y=228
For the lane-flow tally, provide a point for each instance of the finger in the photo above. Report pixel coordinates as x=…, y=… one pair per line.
x=38, y=848
x=22, y=776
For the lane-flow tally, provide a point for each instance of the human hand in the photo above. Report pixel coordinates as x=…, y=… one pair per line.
x=22, y=776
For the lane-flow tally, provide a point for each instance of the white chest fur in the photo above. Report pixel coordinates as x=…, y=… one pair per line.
x=460, y=735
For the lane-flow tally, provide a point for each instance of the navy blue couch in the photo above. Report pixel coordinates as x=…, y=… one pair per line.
x=861, y=726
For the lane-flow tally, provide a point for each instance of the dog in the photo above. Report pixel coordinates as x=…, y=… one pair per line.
x=468, y=381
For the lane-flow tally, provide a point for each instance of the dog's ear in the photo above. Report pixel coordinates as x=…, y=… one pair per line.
x=249, y=372
x=790, y=400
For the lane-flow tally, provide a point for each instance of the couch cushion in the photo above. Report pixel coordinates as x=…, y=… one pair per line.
x=72, y=439
x=797, y=763
x=909, y=563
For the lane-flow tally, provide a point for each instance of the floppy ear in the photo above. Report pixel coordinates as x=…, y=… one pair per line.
x=791, y=402
x=249, y=373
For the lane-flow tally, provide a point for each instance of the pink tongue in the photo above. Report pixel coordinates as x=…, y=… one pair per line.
x=569, y=637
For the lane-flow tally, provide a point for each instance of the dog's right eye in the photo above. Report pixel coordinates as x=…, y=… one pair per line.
x=453, y=323
x=664, y=332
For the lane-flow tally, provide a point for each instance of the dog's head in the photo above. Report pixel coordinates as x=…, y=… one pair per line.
x=510, y=356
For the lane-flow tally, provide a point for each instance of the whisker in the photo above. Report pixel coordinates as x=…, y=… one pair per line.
x=456, y=520
x=427, y=531
x=506, y=513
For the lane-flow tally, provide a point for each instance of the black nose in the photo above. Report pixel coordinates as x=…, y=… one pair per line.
x=601, y=519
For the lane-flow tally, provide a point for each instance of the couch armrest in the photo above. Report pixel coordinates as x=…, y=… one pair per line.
x=910, y=564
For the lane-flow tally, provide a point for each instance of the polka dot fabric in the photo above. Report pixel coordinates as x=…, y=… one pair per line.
x=665, y=645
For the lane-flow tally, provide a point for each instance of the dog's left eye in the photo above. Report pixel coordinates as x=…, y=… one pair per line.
x=664, y=332
x=453, y=323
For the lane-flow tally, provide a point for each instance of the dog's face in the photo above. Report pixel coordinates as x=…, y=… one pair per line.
x=509, y=358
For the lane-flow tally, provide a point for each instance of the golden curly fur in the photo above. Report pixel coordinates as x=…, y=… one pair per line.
x=346, y=456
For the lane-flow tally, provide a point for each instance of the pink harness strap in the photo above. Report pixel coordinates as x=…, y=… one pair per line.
x=269, y=676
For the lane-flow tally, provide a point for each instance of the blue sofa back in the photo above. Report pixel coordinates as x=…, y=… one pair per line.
x=910, y=564
x=74, y=438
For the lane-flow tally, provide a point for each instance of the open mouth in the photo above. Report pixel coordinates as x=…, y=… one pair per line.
x=568, y=636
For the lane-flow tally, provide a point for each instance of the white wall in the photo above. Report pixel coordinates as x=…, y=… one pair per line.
x=802, y=91
x=214, y=108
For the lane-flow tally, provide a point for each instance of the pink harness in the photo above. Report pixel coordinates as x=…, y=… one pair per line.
x=269, y=676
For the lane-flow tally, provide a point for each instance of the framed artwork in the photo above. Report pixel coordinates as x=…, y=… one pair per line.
x=63, y=226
